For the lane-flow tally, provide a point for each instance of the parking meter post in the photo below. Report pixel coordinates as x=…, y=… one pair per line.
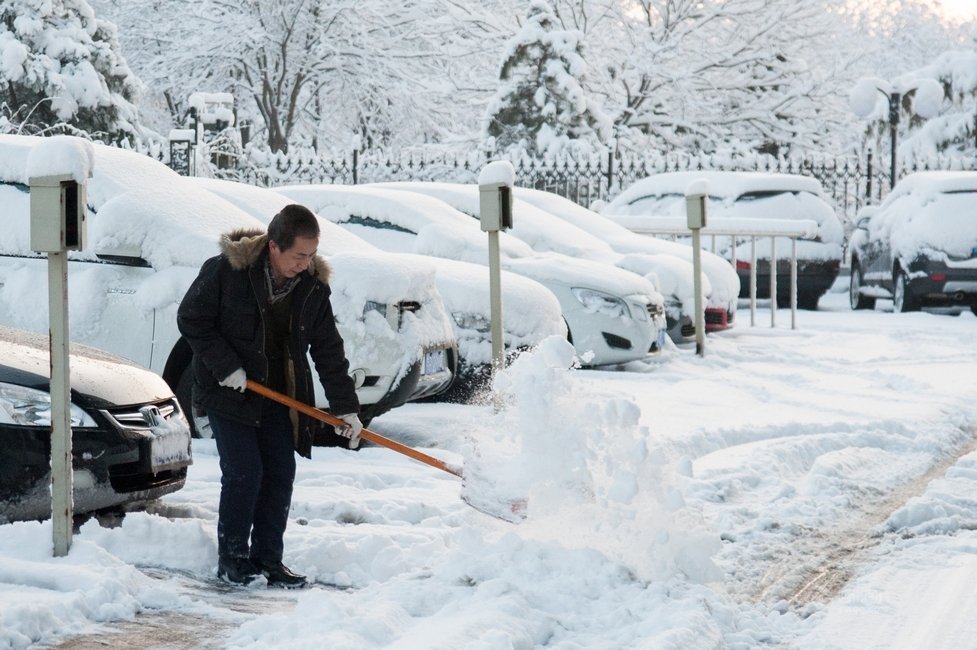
x=58, y=224
x=495, y=213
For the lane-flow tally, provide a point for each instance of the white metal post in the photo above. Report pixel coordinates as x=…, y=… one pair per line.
x=752, y=281
x=62, y=505
x=495, y=299
x=700, y=320
x=773, y=282
x=732, y=251
x=793, y=283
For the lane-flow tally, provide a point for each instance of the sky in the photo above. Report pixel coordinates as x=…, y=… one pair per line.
x=793, y=488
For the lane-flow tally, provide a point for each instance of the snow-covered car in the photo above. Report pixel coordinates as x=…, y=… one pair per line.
x=545, y=231
x=675, y=278
x=530, y=312
x=919, y=247
x=613, y=316
x=151, y=229
x=130, y=440
x=750, y=195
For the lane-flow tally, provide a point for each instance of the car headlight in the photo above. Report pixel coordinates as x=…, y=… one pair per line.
x=31, y=407
x=598, y=301
x=475, y=322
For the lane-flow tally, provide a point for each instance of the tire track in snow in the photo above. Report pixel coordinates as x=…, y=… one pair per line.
x=832, y=557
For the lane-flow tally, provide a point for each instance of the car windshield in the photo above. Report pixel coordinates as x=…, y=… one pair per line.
x=763, y=194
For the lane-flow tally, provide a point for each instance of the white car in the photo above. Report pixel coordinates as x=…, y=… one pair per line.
x=544, y=231
x=151, y=229
x=530, y=312
x=750, y=195
x=613, y=316
x=675, y=279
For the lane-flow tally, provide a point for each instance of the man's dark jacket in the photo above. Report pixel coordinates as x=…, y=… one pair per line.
x=223, y=315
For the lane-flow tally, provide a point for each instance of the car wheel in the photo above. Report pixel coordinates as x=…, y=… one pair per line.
x=903, y=299
x=855, y=297
x=199, y=422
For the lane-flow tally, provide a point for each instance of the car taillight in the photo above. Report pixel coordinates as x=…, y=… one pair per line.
x=740, y=264
x=937, y=277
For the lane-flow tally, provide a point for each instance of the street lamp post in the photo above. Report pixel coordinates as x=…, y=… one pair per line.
x=894, y=99
x=927, y=100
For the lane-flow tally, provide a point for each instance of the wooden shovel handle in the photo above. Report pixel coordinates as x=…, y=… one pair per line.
x=366, y=434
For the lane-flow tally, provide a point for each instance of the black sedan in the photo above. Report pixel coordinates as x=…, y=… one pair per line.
x=130, y=440
x=919, y=247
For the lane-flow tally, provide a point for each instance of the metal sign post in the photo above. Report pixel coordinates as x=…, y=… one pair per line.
x=57, y=226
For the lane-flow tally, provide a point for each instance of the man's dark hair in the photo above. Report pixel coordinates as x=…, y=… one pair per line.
x=293, y=221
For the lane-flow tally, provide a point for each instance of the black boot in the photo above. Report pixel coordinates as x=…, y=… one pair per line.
x=279, y=575
x=238, y=570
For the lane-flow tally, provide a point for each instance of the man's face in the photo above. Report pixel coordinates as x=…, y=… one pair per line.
x=290, y=262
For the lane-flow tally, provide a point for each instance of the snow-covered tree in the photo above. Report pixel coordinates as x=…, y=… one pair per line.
x=907, y=42
x=61, y=69
x=711, y=74
x=953, y=128
x=541, y=104
x=325, y=72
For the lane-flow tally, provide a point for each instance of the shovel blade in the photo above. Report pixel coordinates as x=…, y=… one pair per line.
x=512, y=510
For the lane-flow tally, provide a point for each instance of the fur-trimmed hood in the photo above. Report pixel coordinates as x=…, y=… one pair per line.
x=244, y=246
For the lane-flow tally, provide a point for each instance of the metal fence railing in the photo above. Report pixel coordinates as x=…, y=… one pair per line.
x=849, y=181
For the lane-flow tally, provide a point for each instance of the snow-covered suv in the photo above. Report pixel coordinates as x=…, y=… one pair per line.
x=151, y=229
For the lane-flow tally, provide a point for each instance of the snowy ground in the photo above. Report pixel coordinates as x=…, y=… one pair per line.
x=809, y=488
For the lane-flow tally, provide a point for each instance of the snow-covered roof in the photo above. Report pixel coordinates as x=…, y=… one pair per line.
x=541, y=230
x=934, y=182
x=442, y=231
x=722, y=184
x=263, y=204
x=432, y=227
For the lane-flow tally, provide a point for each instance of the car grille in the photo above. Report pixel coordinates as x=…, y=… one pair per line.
x=134, y=419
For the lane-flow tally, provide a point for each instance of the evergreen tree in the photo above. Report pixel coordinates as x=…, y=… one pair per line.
x=541, y=105
x=61, y=70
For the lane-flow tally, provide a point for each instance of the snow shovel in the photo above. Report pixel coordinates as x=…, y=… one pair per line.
x=512, y=510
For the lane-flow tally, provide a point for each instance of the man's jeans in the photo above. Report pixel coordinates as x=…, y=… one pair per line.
x=257, y=470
